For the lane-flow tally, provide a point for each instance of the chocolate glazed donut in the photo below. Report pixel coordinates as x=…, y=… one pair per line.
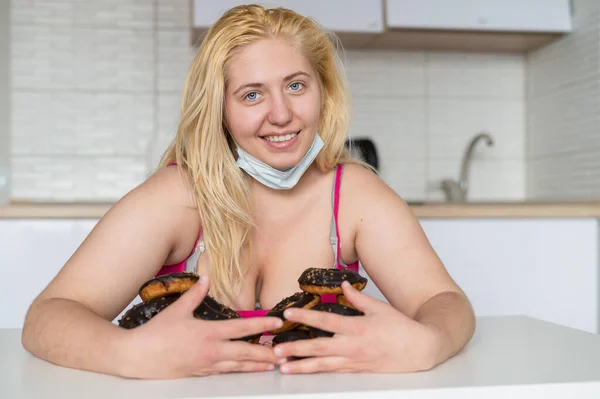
x=329, y=281
x=167, y=284
x=143, y=312
x=342, y=300
x=210, y=309
x=332, y=308
x=290, y=336
x=298, y=300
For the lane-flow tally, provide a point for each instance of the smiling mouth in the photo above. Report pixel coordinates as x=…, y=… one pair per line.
x=281, y=138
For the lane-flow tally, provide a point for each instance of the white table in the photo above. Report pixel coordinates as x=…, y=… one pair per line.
x=508, y=357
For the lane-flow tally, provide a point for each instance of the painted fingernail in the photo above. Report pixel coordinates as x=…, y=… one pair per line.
x=278, y=351
x=270, y=367
x=282, y=360
x=284, y=368
x=287, y=313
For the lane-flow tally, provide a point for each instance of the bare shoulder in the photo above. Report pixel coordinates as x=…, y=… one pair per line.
x=369, y=204
x=170, y=184
x=167, y=196
x=364, y=187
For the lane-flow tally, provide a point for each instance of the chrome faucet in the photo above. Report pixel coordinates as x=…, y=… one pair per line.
x=456, y=191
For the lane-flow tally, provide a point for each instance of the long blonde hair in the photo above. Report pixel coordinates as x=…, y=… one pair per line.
x=204, y=149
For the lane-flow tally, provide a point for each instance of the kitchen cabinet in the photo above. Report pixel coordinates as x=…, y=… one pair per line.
x=543, y=268
x=497, y=26
x=482, y=15
x=336, y=15
x=511, y=26
x=368, y=16
x=32, y=252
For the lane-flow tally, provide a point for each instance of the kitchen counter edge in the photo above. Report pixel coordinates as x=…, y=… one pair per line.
x=422, y=211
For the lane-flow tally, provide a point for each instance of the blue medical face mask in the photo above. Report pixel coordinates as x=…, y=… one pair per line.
x=275, y=178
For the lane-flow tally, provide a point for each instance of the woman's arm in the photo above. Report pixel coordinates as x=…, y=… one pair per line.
x=69, y=322
x=398, y=257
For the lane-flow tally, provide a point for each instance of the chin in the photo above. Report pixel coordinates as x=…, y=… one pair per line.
x=284, y=161
x=283, y=165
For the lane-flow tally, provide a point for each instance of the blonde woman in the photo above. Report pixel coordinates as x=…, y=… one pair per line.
x=255, y=188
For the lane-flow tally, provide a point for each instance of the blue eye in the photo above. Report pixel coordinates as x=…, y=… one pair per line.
x=252, y=95
x=296, y=86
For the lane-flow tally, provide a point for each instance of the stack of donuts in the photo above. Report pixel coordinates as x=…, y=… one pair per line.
x=162, y=291
x=314, y=284
x=157, y=294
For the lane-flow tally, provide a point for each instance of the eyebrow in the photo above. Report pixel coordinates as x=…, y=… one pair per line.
x=258, y=85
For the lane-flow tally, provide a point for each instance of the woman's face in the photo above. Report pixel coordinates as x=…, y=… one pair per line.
x=272, y=102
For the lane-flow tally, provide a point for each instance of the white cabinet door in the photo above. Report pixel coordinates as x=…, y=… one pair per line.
x=32, y=253
x=547, y=269
x=543, y=268
x=335, y=15
x=492, y=15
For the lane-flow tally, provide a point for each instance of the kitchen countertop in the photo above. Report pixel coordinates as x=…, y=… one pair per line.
x=509, y=356
x=496, y=209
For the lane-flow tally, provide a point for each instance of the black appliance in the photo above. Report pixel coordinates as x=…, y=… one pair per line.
x=365, y=149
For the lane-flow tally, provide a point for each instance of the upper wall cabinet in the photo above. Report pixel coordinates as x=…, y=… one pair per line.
x=516, y=26
x=512, y=26
x=480, y=15
x=337, y=15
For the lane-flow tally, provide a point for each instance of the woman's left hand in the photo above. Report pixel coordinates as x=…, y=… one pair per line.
x=383, y=340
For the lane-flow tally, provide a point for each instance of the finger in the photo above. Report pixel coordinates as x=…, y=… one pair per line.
x=308, y=348
x=324, y=320
x=316, y=365
x=193, y=297
x=237, y=350
x=239, y=328
x=232, y=366
x=361, y=301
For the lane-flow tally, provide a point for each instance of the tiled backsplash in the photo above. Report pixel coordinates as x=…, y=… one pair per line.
x=96, y=88
x=563, y=112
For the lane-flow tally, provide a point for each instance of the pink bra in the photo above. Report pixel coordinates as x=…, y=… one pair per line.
x=189, y=264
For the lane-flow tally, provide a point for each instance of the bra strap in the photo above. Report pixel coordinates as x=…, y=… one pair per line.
x=334, y=234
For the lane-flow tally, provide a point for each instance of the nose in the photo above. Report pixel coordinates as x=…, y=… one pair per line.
x=280, y=111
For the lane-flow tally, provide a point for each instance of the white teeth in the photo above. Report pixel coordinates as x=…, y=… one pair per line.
x=278, y=139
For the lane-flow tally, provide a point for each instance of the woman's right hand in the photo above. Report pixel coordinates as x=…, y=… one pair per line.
x=175, y=344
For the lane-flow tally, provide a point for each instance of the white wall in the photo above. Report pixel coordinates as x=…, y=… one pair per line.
x=96, y=88
x=563, y=112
